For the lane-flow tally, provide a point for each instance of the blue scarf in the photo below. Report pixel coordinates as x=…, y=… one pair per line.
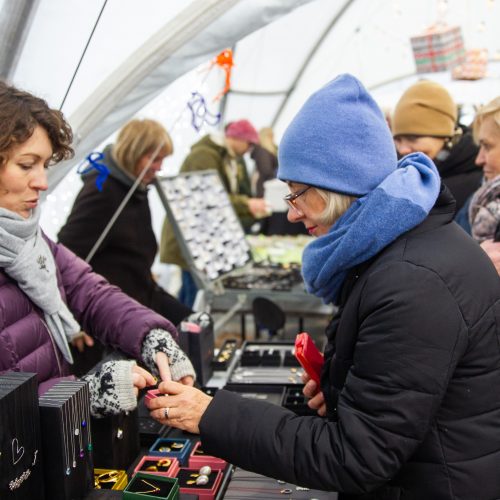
x=399, y=203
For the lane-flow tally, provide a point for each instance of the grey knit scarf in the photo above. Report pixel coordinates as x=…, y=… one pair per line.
x=27, y=258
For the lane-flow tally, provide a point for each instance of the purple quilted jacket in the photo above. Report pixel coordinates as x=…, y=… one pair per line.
x=102, y=310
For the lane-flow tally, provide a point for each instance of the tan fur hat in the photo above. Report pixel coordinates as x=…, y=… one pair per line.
x=425, y=109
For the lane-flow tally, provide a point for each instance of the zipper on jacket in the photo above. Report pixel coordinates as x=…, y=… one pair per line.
x=54, y=347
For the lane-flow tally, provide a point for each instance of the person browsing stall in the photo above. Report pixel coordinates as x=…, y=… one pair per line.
x=48, y=294
x=223, y=153
x=484, y=207
x=407, y=404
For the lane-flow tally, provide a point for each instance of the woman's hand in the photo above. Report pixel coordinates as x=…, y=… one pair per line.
x=141, y=378
x=182, y=406
x=316, y=398
x=161, y=360
x=82, y=340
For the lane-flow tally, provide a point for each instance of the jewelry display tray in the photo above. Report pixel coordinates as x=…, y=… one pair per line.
x=266, y=363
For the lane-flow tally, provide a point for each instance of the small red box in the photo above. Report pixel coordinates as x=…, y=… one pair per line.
x=151, y=394
x=147, y=463
x=205, y=492
x=198, y=459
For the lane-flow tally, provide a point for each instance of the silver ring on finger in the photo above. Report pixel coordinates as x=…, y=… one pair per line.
x=166, y=412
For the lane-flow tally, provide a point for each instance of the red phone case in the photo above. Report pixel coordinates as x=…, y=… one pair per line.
x=309, y=356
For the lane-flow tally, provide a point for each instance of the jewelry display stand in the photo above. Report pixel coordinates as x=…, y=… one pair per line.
x=213, y=244
x=66, y=441
x=21, y=470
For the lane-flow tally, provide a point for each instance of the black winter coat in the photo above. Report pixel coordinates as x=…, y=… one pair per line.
x=411, y=379
x=459, y=171
x=127, y=253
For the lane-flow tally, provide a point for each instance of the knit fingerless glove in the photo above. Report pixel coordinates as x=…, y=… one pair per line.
x=159, y=340
x=111, y=389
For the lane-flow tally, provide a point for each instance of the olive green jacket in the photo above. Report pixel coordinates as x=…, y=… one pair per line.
x=206, y=154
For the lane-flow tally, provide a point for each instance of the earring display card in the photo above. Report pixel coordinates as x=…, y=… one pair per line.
x=178, y=448
x=266, y=363
x=162, y=466
x=66, y=441
x=250, y=485
x=205, y=485
x=21, y=470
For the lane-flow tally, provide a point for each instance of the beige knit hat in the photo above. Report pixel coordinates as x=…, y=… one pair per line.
x=425, y=109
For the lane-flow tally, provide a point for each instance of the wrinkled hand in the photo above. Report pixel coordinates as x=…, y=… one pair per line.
x=141, y=378
x=258, y=207
x=161, y=360
x=186, y=405
x=492, y=248
x=311, y=390
x=81, y=341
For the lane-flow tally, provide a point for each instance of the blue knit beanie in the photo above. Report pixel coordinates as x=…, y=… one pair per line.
x=338, y=141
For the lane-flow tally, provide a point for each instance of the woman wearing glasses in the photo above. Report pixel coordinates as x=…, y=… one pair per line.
x=407, y=404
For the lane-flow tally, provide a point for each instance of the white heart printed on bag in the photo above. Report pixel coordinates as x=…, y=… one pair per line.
x=17, y=451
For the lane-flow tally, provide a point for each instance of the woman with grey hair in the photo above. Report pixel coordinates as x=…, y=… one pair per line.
x=406, y=403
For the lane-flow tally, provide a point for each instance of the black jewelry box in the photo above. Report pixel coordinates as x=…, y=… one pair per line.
x=226, y=353
x=66, y=441
x=116, y=440
x=21, y=470
x=196, y=339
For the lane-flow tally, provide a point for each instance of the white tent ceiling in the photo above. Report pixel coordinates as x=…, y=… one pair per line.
x=147, y=57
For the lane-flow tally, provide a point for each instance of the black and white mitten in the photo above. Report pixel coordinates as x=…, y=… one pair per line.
x=159, y=340
x=111, y=388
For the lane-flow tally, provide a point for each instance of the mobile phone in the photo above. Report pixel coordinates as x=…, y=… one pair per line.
x=309, y=356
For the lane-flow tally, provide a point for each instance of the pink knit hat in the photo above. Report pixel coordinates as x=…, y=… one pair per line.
x=244, y=130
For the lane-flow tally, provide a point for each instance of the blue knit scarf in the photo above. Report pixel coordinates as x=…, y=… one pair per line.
x=399, y=203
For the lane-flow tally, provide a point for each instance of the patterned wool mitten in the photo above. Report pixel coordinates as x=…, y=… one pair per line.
x=159, y=340
x=111, y=388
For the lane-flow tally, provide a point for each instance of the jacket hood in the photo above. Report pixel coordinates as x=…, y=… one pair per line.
x=461, y=158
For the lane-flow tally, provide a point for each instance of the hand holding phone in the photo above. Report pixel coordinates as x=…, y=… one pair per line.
x=309, y=356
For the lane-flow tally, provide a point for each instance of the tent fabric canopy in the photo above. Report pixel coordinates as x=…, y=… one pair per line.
x=145, y=58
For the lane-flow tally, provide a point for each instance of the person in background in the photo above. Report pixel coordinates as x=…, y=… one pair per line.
x=127, y=253
x=48, y=294
x=407, y=403
x=484, y=207
x=425, y=120
x=223, y=153
x=265, y=157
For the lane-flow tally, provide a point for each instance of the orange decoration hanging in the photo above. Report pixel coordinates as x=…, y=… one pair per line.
x=225, y=61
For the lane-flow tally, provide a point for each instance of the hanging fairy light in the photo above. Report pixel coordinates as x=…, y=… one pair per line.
x=481, y=27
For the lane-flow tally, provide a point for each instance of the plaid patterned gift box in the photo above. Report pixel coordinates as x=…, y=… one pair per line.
x=439, y=48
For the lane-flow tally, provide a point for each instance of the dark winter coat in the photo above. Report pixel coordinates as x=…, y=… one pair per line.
x=266, y=166
x=411, y=378
x=101, y=309
x=459, y=171
x=128, y=251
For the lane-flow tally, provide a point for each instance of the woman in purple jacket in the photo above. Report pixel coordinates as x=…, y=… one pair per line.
x=48, y=295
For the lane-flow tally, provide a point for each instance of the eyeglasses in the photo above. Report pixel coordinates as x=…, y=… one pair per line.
x=291, y=197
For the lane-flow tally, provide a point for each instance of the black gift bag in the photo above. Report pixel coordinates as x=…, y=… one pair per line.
x=21, y=473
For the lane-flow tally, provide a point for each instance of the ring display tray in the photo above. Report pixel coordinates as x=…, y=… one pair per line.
x=266, y=363
x=219, y=256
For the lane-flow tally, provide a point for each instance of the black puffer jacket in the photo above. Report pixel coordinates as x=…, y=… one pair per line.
x=459, y=171
x=128, y=251
x=412, y=389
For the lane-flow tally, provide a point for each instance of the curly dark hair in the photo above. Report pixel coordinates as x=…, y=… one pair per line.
x=20, y=113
